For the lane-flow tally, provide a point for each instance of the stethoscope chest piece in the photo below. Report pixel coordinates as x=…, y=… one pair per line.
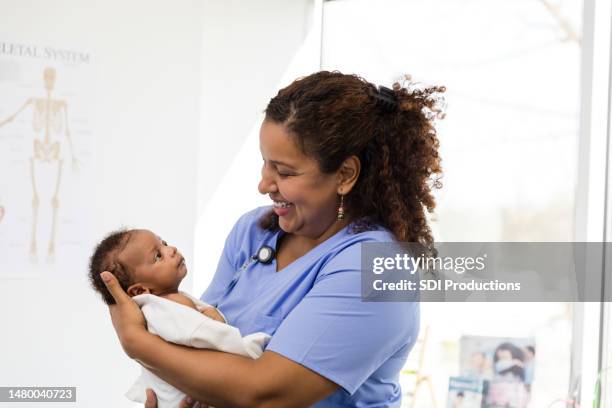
x=265, y=255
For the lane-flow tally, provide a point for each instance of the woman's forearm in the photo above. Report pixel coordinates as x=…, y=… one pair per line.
x=217, y=378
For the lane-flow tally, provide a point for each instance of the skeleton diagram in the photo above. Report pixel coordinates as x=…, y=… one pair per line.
x=49, y=116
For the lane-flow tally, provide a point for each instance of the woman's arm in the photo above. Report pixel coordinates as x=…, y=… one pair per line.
x=223, y=379
x=220, y=379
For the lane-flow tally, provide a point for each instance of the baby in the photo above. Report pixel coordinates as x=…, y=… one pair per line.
x=150, y=271
x=143, y=263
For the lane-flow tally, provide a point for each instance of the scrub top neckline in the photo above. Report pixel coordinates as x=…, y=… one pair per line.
x=280, y=233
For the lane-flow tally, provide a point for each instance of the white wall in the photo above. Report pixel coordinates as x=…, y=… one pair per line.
x=179, y=86
x=247, y=48
x=270, y=43
x=146, y=58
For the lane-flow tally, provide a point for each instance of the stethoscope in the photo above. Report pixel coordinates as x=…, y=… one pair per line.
x=265, y=254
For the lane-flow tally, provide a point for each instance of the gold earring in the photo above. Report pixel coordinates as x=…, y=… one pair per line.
x=341, y=208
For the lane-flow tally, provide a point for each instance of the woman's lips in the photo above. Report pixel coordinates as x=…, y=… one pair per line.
x=282, y=211
x=282, y=208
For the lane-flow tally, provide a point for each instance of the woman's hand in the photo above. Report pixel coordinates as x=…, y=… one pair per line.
x=186, y=402
x=151, y=401
x=127, y=318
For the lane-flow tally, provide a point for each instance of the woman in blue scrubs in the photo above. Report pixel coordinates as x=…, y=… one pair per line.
x=344, y=163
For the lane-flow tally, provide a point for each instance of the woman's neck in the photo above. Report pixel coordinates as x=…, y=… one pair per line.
x=303, y=244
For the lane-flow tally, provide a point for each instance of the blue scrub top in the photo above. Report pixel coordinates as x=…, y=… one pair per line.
x=313, y=310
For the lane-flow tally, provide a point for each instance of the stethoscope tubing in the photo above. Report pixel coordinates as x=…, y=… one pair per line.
x=265, y=255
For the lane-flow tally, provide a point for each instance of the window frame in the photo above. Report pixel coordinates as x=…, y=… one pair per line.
x=591, y=319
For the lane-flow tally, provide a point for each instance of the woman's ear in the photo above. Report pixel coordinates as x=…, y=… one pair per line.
x=137, y=289
x=348, y=174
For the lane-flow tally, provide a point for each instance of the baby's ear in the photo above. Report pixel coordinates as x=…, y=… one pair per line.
x=137, y=289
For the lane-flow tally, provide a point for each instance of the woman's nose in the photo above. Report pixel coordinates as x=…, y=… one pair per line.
x=266, y=184
x=172, y=250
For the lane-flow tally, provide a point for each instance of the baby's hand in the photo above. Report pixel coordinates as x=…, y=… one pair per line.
x=213, y=313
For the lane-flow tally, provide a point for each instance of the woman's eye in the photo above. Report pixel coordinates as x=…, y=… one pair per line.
x=157, y=256
x=283, y=174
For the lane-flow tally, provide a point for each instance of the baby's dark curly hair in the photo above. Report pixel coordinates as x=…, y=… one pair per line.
x=105, y=258
x=333, y=116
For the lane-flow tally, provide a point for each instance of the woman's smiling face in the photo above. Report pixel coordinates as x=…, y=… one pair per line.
x=305, y=199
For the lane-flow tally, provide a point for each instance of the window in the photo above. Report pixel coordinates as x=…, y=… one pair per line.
x=510, y=148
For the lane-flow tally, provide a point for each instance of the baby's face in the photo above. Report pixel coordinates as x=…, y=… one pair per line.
x=154, y=264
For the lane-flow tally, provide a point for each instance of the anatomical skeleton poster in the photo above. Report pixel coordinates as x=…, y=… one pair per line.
x=46, y=154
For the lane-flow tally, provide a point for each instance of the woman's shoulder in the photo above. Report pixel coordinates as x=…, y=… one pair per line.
x=357, y=233
x=348, y=245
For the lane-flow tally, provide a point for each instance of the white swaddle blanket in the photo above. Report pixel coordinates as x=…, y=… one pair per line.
x=183, y=325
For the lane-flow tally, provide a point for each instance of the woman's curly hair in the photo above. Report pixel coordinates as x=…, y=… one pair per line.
x=334, y=116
